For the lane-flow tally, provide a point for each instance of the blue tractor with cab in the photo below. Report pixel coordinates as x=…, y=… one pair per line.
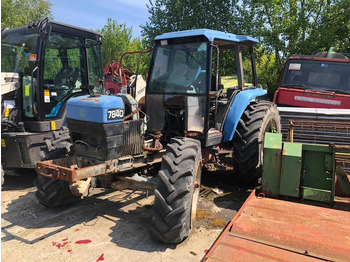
x=203, y=109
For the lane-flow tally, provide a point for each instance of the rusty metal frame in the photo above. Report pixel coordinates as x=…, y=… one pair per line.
x=72, y=169
x=315, y=125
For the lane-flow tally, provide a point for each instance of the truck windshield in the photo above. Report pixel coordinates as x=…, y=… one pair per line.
x=17, y=52
x=179, y=69
x=317, y=75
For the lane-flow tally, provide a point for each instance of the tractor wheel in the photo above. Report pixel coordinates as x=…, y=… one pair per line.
x=55, y=193
x=59, y=146
x=176, y=195
x=248, y=140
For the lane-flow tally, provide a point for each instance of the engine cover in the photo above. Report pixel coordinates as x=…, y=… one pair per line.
x=98, y=130
x=98, y=109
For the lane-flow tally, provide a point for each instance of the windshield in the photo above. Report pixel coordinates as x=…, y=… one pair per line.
x=317, y=75
x=63, y=73
x=95, y=66
x=179, y=69
x=17, y=53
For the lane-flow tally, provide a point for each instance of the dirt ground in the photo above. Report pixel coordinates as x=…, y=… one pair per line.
x=107, y=226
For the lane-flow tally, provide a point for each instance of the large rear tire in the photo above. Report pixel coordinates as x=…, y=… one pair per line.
x=54, y=193
x=176, y=195
x=257, y=119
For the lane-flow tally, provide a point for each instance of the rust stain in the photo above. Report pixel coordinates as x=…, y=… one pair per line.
x=201, y=214
x=90, y=99
x=218, y=222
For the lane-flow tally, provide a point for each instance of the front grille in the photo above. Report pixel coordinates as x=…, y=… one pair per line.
x=316, y=127
x=133, y=140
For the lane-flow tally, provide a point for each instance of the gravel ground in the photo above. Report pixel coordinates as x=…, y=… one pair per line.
x=107, y=226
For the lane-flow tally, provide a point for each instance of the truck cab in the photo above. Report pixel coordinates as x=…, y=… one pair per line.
x=318, y=81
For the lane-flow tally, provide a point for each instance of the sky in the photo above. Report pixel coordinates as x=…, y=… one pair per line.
x=93, y=14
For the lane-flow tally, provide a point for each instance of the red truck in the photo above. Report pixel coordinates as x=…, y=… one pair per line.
x=313, y=98
x=317, y=81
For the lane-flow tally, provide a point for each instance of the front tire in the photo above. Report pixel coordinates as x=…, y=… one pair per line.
x=176, y=195
x=54, y=193
x=257, y=119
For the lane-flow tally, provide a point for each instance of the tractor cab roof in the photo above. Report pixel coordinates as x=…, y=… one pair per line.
x=213, y=36
x=35, y=26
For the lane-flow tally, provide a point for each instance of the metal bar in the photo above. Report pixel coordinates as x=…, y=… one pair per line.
x=70, y=169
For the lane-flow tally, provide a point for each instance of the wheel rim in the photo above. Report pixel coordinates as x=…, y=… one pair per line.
x=271, y=127
x=195, y=195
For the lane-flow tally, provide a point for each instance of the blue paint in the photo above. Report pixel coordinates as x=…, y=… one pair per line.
x=93, y=109
x=211, y=35
x=240, y=103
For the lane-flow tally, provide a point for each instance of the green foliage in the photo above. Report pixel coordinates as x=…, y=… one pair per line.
x=170, y=15
x=334, y=28
x=267, y=71
x=117, y=39
x=16, y=13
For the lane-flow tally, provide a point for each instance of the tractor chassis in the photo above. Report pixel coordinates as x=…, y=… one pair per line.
x=72, y=169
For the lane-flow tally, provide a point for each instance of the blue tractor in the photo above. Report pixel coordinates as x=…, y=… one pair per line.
x=203, y=109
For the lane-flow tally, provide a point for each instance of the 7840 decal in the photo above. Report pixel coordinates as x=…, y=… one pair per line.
x=115, y=113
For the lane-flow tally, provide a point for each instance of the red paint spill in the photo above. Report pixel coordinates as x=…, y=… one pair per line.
x=206, y=251
x=85, y=241
x=65, y=239
x=100, y=258
x=76, y=230
x=59, y=245
x=69, y=250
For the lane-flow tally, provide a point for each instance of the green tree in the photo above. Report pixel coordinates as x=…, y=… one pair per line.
x=334, y=28
x=285, y=27
x=117, y=39
x=293, y=27
x=16, y=13
x=169, y=15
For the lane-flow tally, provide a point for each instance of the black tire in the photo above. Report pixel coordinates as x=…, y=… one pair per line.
x=59, y=146
x=176, y=195
x=258, y=118
x=54, y=193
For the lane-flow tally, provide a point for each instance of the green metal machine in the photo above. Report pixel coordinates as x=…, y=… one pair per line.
x=305, y=171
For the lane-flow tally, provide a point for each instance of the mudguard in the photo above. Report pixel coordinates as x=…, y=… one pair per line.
x=239, y=104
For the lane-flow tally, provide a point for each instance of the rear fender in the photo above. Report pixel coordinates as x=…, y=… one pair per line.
x=239, y=104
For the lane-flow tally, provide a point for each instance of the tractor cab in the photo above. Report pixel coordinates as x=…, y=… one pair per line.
x=52, y=61
x=48, y=62
x=193, y=78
